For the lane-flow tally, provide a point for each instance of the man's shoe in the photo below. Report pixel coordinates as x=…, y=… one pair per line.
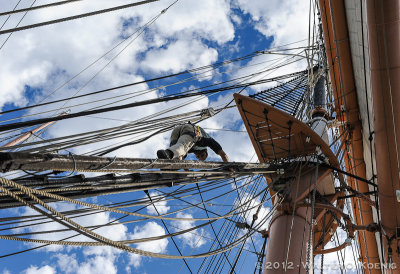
x=165, y=154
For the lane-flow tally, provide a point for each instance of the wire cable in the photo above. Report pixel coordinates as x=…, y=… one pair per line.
x=14, y=11
x=76, y=17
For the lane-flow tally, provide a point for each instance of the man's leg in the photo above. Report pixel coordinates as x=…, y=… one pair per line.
x=182, y=146
x=181, y=141
x=166, y=153
x=176, y=132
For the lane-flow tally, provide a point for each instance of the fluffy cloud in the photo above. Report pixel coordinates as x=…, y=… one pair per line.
x=285, y=21
x=42, y=270
x=98, y=264
x=65, y=49
x=194, y=238
x=52, y=50
x=161, y=204
x=67, y=263
x=178, y=56
x=150, y=229
x=91, y=264
x=208, y=19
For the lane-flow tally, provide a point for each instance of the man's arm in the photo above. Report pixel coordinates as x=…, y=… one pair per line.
x=223, y=155
x=215, y=146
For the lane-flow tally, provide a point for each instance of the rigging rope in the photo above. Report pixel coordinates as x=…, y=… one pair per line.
x=14, y=11
x=38, y=7
x=212, y=227
x=8, y=17
x=171, y=97
x=8, y=37
x=310, y=239
x=27, y=190
x=76, y=17
x=39, y=247
x=165, y=226
x=105, y=240
x=144, y=91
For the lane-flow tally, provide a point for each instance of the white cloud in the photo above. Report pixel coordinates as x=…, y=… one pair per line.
x=42, y=270
x=150, y=229
x=178, y=56
x=161, y=204
x=64, y=49
x=237, y=19
x=98, y=259
x=98, y=264
x=286, y=21
x=90, y=265
x=67, y=263
x=45, y=226
x=209, y=19
x=194, y=238
x=32, y=57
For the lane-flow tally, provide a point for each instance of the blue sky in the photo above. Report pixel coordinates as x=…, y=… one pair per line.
x=35, y=63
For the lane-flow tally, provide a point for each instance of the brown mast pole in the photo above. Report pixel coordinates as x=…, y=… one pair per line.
x=384, y=41
x=341, y=71
x=289, y=237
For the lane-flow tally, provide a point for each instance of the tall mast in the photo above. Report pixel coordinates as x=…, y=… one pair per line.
x=384, y=43
x=338, y=53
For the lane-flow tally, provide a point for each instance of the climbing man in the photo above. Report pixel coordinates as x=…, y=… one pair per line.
x=189, y=138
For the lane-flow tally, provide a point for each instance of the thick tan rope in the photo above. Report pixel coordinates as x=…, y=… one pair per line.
x=105, y=240
x=28, y=192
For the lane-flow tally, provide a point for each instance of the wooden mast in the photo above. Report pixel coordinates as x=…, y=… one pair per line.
x=342, y=77
x=383, y=19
